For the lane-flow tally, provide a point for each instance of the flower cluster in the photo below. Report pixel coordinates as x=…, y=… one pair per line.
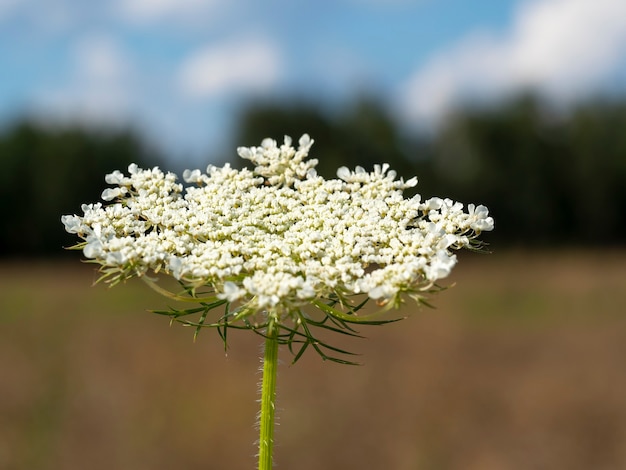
x=280, y=236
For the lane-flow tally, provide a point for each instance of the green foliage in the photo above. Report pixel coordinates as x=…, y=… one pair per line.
x=298, y=328
x=546, y=178
x=48, y=172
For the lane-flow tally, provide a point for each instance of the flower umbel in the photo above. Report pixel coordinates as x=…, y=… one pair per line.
x=269, y=242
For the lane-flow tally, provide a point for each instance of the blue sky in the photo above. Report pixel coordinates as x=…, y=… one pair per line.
x=178, y=70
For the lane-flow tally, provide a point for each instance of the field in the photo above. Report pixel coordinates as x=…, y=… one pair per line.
x=522, y=365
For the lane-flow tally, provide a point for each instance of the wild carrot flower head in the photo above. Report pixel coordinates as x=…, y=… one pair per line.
x=279, y=237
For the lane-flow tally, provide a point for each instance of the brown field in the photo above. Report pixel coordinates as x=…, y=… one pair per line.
x=521, y=366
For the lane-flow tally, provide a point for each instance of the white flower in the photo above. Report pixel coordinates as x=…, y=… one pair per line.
x=479, y=218
x=344, y=173
x=111, y=193
x=73, y=223
x=279, y=236
x=117, y=177
x=440, y=266
x=192, y=176
x=281, y=165
x=232, y=292
x=93, y=248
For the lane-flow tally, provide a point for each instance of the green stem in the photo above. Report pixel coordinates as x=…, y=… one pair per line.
x=268, y=396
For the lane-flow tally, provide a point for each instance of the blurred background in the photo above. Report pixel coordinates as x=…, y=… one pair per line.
x=516, y=104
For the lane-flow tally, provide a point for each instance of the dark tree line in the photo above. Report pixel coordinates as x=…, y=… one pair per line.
x=548, y=179
x=48, y=172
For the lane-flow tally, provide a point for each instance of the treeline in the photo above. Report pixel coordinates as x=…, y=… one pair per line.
x=548, y=179
x=46, y=172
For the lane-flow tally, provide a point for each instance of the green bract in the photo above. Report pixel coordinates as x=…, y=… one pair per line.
x=267, y=243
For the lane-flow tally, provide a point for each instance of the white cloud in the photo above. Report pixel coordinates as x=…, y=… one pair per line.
x=99, y=86
x=100, y=59
x=247, y=66
x=563, y=49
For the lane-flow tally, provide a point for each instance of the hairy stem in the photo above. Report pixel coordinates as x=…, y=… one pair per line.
x=268, y=396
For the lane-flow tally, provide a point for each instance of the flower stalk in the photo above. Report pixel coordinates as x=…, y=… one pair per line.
x=268, y=397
